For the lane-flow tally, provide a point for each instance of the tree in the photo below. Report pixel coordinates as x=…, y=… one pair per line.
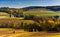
x=56, y=17
x=10, y=12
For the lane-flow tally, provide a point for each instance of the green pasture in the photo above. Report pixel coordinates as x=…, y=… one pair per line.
x=42, y=13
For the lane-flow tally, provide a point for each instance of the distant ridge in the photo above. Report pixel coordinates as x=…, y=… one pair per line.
x=52, y=8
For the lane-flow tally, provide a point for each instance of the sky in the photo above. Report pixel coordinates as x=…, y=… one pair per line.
x=26, y=3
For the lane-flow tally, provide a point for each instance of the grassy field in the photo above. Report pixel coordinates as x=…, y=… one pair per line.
x=42, y=13
x=5, y=29
x=4, y=32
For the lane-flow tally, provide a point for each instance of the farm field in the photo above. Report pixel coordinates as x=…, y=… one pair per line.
x=4, y=32
x=42, y=13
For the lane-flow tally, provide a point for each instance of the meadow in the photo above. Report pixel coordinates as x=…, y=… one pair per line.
x=42, y=13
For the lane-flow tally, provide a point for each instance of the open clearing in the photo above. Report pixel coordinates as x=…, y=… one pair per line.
x=21, y=33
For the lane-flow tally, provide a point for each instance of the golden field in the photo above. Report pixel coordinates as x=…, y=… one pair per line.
x=21, y=33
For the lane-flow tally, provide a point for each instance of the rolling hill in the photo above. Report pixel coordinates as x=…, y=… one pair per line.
x=50, y=8
x=33, y=10
x=47, y=8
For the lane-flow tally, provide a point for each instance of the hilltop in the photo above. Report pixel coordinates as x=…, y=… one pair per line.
x=50, y=8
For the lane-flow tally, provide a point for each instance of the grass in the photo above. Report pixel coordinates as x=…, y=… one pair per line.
x=33, y=34
x=42, y=13
x=6, y=32
x=5, y=28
